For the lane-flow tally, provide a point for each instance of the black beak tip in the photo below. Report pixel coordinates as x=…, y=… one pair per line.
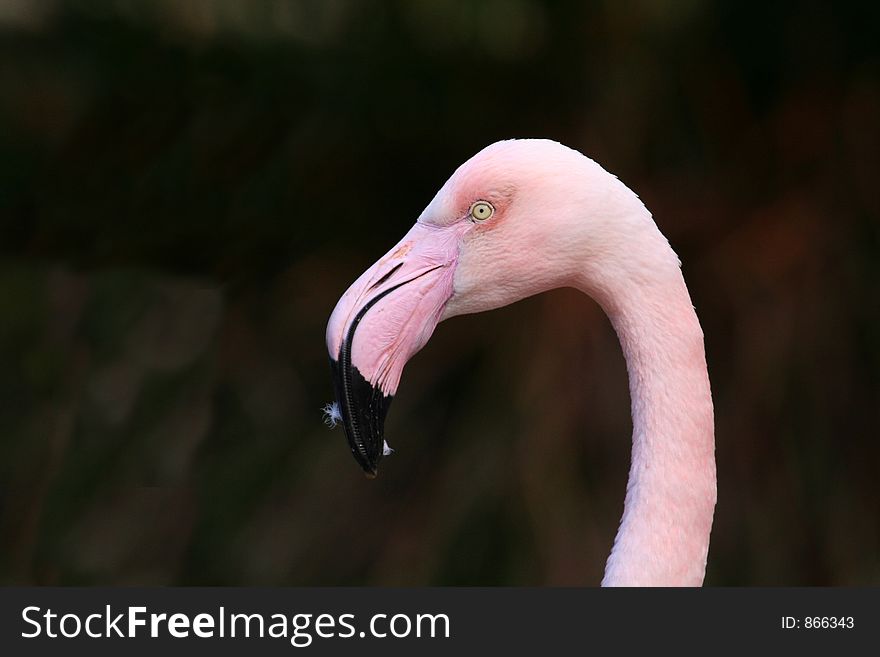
x=363, y=409
x=368, y=465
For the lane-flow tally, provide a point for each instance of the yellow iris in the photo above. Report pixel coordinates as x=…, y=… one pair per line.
x=481, y=210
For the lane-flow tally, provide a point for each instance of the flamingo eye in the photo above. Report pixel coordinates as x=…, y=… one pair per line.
x=481, y=210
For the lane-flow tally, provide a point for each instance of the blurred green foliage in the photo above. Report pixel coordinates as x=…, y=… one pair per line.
x=186, y=188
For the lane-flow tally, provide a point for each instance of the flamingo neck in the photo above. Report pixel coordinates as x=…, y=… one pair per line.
x=663, y=539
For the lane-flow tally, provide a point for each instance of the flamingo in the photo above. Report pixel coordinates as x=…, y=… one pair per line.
x=522, y=217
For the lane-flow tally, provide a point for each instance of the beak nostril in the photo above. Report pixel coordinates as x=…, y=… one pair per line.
x=386, y=276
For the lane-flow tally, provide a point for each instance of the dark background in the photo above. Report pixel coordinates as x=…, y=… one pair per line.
x=186, y=188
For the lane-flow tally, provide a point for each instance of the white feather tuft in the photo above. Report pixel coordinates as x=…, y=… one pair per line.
x=386, y=450
x=332, y=416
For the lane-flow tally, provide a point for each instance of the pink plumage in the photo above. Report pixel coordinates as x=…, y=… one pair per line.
x=550, y=217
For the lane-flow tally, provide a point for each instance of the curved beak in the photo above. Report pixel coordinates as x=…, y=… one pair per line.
x=385, y=317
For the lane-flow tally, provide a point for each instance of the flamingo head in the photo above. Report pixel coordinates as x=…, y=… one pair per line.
x=512, y=221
